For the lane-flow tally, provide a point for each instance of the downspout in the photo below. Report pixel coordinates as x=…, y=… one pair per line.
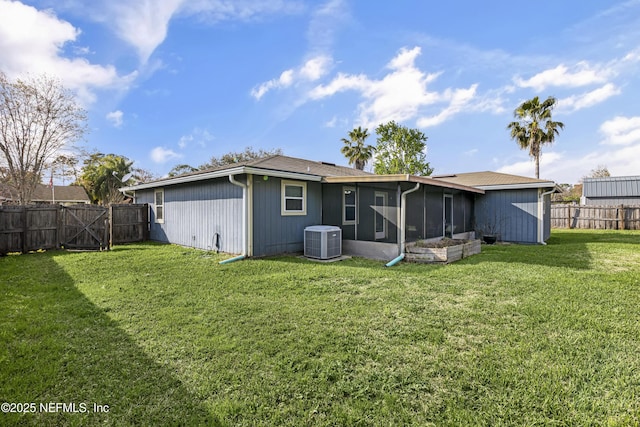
x=403, y=221
x=541, y=216
x=232, y=179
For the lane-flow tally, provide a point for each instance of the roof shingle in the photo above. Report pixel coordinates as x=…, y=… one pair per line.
x=494, y=179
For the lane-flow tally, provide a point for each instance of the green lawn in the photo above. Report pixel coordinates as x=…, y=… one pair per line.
x=163, y=335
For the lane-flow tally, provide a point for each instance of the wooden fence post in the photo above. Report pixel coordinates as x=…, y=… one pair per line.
x=621, y=215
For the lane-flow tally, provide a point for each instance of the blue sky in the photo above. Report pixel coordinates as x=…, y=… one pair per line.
x=178, y=81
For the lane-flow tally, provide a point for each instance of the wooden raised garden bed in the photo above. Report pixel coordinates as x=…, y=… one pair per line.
x=444, y=251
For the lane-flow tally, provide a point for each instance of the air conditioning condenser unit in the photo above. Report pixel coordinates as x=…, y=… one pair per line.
x=322, y=241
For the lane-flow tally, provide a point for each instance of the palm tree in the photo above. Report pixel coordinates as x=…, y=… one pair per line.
x=355, y=150
x=534, y=127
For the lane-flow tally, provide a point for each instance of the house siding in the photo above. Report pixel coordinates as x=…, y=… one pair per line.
x=205, y=215
x=513, y=212
x=274, y=233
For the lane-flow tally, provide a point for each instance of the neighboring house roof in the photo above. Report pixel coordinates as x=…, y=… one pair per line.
x=63, y=193
x=277, y=165
x=43, y=193
x=495, y=181
x=611, y=186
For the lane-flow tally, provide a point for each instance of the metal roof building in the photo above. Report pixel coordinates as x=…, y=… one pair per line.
x=611, y=191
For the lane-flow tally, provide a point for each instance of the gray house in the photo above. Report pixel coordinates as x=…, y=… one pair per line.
x=611, y=191
x=516, y=208
x=261, y=207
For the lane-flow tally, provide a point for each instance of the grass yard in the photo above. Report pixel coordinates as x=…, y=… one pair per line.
x=163, y=335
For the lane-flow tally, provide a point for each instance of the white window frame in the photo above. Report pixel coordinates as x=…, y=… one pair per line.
x=345, y=206
x=155, y=206
x=283, y=205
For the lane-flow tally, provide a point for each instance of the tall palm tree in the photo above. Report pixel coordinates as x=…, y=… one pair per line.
x=534, y=127
x=355, y=149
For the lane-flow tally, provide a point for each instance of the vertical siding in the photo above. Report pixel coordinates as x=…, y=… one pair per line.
x=274, y=233
x=612, y=201
x=195, y=214
x=612, y=191
x=513, y=212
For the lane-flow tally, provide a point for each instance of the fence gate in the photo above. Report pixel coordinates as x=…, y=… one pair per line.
x=85, y=227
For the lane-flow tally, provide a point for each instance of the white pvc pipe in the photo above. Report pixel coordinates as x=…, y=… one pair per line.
x=403, y=221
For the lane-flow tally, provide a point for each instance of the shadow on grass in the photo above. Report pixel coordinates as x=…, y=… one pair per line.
x=56, y=346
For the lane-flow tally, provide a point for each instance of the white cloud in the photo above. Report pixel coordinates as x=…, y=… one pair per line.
x=621, y=131
x=163, y=155
x=527, y=167
x=588, y=99
x=31, y=41
x=115, y=117
x=458, y=99
x=564, y=167
x=400, y=95
x=144, y=24
x=198, y=136
x=332, y=122
x=581, y=74
x=285, y=80
x=315, y=68
x=213, y=11
x=324, y=24
x=311, y=70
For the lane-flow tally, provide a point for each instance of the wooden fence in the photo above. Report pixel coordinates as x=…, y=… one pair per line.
x=596, y=217
x=33, y=227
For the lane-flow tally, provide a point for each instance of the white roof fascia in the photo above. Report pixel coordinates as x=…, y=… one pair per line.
x=221, y=174
x=516, y=186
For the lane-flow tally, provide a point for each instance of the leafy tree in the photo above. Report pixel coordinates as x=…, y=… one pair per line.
x=181, y=170
x=355, y=150
x=534, y=127
x=38, y=117
x=401, y=150
x=237, y=157
x=101, y=177
x=570, y=193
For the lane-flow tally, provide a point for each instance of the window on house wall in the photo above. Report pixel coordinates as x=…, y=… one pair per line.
x=348, y=205
x=159, y=205
x=294, y=198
